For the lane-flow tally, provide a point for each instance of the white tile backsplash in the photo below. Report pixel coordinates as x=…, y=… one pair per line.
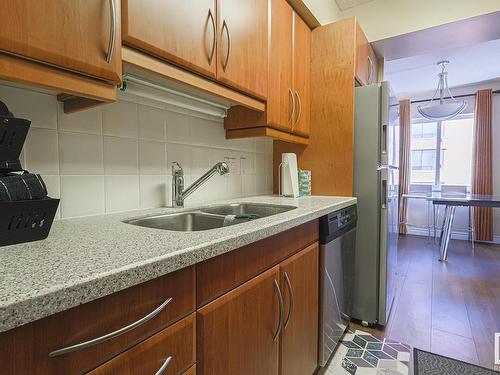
x=41, y=152
x=152, y=123
x=153, y=191
x=120, y=119
x=121, y=156
x=117, y=157
x=88, y=121
x=149, y=160
x=80, y=154
x=82, y=195
x=121, y=193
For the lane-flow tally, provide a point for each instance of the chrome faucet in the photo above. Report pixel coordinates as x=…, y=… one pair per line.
x=178, y=192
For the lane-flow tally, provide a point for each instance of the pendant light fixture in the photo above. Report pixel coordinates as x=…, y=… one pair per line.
x=442, y=111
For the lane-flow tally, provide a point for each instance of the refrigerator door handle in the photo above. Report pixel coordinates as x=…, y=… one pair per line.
x=383, y=191
x=381, y=167
x=384, y=139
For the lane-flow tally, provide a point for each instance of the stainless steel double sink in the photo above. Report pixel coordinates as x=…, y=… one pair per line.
x=210, y=217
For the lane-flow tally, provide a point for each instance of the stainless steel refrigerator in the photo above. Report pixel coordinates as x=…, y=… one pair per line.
x=376, y=176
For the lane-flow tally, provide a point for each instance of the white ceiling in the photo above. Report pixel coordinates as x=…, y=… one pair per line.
x=468, y=65
x=346, y=4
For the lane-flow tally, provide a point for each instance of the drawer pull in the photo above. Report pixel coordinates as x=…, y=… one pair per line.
x=292, y=110
x=282, y=310
x=112, y=31
x=290, y=292
x=299, y=110
x=212, y=51
x=164, y=367
x=224, y=26
x=111, y=335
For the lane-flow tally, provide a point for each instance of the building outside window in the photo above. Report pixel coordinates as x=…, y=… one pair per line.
x=456, y=151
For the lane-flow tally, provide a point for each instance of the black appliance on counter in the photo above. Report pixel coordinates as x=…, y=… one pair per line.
x=26, y=212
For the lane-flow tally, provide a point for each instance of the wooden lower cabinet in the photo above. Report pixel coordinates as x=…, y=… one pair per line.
x=173, y=350
x=299, y=341
x=235, y=331
x=257, y=314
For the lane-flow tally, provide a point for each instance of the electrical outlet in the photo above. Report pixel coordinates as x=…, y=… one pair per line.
x=234, y=165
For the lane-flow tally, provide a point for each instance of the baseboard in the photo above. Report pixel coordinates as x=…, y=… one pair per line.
x=456, y=235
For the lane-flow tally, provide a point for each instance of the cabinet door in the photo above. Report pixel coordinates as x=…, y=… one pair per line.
x=72, y=34
x=280, y=94
x=235, y=331
x=243, y=45
x=299, y=282
x=366, y=60
x=301, y=74
x=183, y=32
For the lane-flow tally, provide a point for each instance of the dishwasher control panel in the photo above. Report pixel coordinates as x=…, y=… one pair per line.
x=336, y=223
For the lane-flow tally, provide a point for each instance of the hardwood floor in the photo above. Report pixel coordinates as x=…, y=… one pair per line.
x=450, y=308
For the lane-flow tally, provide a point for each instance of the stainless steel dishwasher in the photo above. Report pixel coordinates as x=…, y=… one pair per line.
x=337, y=245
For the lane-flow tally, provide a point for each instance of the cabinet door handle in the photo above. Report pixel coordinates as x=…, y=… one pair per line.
x=226, y=61
x=111, y=335
x=290, y=292
x=292, y=111
x=282, y=310
x=212, y=51
x=164, y=366
x=112, y=31
x=370, y=69
x=299, y=109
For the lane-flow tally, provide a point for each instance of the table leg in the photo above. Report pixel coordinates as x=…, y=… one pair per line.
x=434, y=220
x=445, y=239
x=428, y=220
x=441, y=235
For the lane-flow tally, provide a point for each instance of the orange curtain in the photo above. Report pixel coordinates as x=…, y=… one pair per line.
x=404, y=160
x=482, y=181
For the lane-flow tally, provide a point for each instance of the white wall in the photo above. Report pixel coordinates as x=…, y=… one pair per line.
x=326, y=11
x=117, y=157
x=382, y=19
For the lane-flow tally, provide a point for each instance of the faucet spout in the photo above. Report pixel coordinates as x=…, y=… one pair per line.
x=179, y=194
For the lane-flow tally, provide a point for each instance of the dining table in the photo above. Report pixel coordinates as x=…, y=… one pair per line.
x=451, y=202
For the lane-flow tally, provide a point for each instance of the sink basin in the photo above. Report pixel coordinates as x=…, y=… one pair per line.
x=262, y=210
x=183, y=221
x=207, y=217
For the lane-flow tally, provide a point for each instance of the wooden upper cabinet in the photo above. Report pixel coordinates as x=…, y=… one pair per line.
x=287, y=114
x=183, y=32
x=235, y=331
x=366, y=60
x=242, y=27
x=280, y=93
x=299, y=283
x=301, y=75
x=76, y=35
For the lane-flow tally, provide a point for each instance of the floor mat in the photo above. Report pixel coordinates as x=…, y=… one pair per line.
x=434, y=364
x=360, y=353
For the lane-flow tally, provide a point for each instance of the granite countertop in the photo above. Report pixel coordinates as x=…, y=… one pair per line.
x=87, y=258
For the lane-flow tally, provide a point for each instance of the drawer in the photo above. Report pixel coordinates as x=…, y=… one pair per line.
x=137, y=313
x=169, y=352
x=218, y=275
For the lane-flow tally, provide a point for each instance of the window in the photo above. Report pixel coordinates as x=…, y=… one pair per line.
x=425, y=130
x=455, y=159
x=423, y=160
